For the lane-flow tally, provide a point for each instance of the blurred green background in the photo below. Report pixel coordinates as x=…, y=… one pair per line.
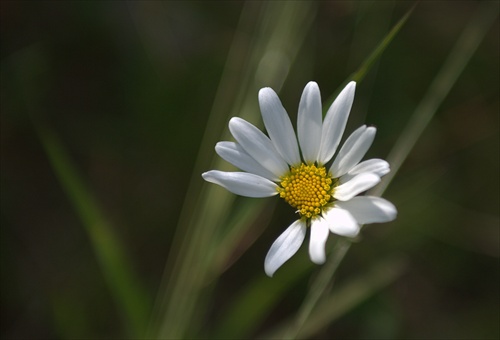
x=110, y=111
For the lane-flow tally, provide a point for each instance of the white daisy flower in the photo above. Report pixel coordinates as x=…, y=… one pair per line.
x=324, y=196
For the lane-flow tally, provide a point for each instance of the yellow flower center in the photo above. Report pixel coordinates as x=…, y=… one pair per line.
x=307, y=188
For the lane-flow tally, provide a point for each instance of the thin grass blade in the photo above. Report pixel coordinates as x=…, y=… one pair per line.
x=31, y=66
x=124, y=285
x=457, y=60
x=280, y=27
x=319, y=285
x=346, y=297
x=369, y=62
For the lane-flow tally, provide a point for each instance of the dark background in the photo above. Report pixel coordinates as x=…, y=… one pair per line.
x=128, y=87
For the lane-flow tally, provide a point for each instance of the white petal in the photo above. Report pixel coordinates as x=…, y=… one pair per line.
x=341, y=222
x=319, y=235
x=285, y=246
x=369, y=209
x=334, y=123
x=278, y=126
x=357, y=185
x=309, y=123
x=242, y=183
x=353, y=150
x=236, y=155
x=258, y=145
x=376, y=166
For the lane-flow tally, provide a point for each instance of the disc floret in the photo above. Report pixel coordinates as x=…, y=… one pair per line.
x=308, y=188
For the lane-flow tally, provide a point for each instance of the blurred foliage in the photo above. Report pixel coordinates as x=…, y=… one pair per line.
x=127, y=90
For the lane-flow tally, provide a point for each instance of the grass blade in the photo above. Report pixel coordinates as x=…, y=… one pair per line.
x=319, y=285
x=346, y=297
x=369, y=62
x=309, y=319
x=281, y=27
x=123, y=284
x=244, y=314
x=458, y=58
x=30, y=67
